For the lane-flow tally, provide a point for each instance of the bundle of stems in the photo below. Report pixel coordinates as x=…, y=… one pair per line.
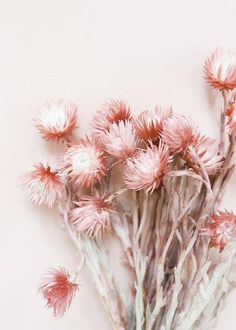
x=156, y=183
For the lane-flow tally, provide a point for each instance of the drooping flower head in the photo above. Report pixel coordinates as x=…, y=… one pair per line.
x=85, y=162
x=221, y=230
x=231, y=115
x=147, y=168
x=220, y=69
x=179, y=132
x=148, y=124
x=43, y=185
x=120, y=140
x=56, y=121
x=92, y=215
x=207, y=151
x=112, y=112
x=58, y=289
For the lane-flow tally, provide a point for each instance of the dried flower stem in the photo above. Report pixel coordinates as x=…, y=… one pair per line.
x=222, y=124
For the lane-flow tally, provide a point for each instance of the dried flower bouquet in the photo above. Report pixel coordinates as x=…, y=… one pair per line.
x=156, y=182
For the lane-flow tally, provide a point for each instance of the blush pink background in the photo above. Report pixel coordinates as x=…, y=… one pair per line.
x=146, y=52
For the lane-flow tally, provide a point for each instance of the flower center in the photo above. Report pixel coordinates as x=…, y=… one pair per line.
x=55, y=118
x=225, y=231
x=117, y=143
x=83, y=161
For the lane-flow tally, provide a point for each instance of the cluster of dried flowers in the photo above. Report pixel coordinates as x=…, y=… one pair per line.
x=179, y=248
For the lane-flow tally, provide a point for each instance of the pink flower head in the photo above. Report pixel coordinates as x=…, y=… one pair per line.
x=221, y=230
x=85, y=162
x=56, y=121
x=207, y=151
x=43, y=185
x=112, y=112
x=179, y=133
x=231, y=114
x=148, y=125
x=120, y=141
x=58, y=289
x=146, y=169
x=92, y=215
x=220, y=69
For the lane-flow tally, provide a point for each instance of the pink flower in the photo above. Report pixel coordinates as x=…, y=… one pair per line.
x=207, y=151
x=85, y=162
x=92, y=215
x=57, y=288
x=43, y=185
x=56, y=121
x=147, y=168
x=120, y=141
x=148, y=125
x=221, y=230
x=231, y=114
x=113, y=112
x=220, y=69
x=179, y=133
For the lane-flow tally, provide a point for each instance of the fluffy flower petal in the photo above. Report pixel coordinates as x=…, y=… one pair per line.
x=220, y=69
x=179, y=133
x=207, y=151
x=92, y=215
x=84, y=162
x=56, y=121
x=112, y=112
x=120, y=141
x=57, y=288
x=43, y=185
x=148, y=124
x=147, y=168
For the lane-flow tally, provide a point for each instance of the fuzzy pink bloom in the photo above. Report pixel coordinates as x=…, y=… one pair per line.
x=179, y=133
x=120, y=141
x=57, y=288
x=84, y=162
x=148, y=125
x=92, y=215
x=207, y=150
x=220, y=69
x=221, y=230
x=231, y=114
x=56, y=121
x=147, y=168
x=112, y=112
x=43, y=185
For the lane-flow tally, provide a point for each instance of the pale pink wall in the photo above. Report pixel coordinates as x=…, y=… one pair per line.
x=146, y=52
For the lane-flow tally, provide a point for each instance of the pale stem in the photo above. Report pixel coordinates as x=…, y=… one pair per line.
x=139, y=259
x=68, y=228
x=143, y=219
x=206, y=292
x=178, y=271
x=135, y=214
x=222, y=125
x=202, y=167
x=177, y=221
